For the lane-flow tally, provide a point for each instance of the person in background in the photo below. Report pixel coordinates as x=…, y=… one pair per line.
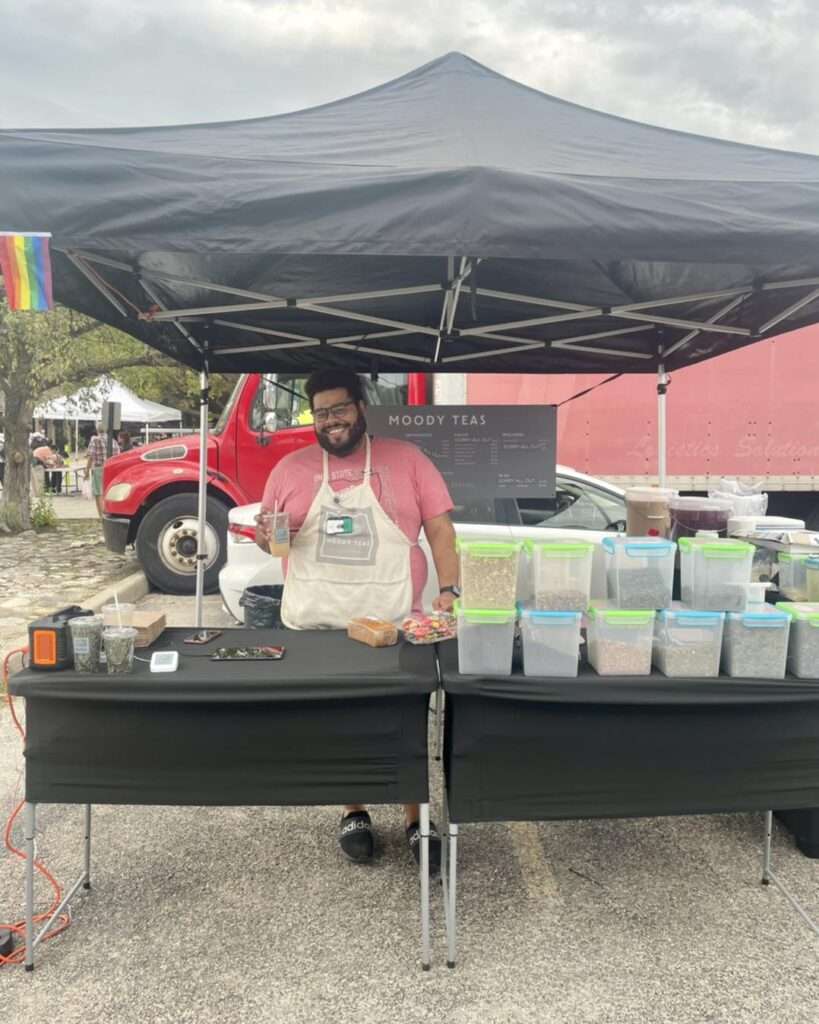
x=357, y=506
x=124, y=441
x=97, y=454
x=46, y=456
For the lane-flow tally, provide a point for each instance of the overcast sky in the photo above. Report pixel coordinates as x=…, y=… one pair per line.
x=745, y=70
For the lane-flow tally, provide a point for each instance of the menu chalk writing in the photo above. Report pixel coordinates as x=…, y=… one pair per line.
x=487, y=451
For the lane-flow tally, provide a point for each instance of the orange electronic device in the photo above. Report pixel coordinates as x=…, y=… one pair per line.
x=49, y=639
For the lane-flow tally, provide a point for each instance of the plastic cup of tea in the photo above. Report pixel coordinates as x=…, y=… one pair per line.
x=276, y=526
x=86, y=641
x=117, y=615
x=119, y=649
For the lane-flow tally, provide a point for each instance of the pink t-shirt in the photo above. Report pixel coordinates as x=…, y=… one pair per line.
x=406, y=484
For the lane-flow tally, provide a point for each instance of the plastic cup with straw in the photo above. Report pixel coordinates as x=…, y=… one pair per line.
x=118, y=614
x=278, y=532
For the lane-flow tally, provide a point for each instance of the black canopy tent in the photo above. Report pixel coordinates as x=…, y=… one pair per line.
x=451, y=220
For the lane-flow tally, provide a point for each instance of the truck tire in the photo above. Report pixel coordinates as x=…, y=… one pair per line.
x=166, y=544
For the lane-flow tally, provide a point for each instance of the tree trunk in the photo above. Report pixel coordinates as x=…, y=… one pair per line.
x=15, y=507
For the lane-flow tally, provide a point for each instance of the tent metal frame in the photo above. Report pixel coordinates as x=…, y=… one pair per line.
x=645, y=314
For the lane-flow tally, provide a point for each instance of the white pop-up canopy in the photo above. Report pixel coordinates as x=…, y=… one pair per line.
x=86, y=404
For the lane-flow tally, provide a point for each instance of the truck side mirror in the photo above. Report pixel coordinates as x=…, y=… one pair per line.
x=269, y=395
x=271, y=422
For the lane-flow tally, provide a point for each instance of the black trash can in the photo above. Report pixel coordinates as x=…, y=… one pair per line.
x=262, y=606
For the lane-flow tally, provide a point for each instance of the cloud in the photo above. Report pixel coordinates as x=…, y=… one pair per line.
x=743, y=70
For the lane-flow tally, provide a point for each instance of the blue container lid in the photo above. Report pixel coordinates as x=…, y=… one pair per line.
x=552, y=618
x=639, y=545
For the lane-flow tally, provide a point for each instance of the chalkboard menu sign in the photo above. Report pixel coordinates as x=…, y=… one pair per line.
x=482, y=451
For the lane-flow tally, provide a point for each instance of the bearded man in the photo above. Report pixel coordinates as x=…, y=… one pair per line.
x=356, y=507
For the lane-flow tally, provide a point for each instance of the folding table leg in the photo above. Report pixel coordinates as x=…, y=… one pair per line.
x=452, y=869
x=768, y=876
x=766, y=852
x=29, y=824
x=440, y=710
x=425, y=944
x=87, y=860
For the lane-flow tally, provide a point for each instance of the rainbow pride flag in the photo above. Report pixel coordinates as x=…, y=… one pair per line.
x=25, y=265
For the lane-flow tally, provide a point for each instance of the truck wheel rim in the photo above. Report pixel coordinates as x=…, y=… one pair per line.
x=177, y=545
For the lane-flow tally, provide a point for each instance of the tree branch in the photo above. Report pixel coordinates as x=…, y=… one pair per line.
x=90, y=371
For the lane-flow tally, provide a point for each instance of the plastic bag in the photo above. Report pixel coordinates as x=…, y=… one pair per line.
x=262, y=606
x=746, y=499
x=429, y=629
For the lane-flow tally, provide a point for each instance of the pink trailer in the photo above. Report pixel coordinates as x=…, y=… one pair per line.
x=751, y=413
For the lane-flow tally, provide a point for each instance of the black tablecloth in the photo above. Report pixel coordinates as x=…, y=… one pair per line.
x=333, y=722
x=533, y=749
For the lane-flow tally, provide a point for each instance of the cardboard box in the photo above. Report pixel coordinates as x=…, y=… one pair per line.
x=148, y=626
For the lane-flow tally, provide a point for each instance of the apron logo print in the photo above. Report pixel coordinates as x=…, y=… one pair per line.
x=358, y=547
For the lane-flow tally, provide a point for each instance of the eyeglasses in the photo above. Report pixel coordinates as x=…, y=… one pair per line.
x=339, y=409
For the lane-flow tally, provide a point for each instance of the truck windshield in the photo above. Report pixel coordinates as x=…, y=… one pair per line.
x=285, y=396
x=227, y=412
x=388, y=389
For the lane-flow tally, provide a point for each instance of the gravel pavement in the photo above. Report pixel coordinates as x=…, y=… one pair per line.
x=251, y=915
x=48, y=569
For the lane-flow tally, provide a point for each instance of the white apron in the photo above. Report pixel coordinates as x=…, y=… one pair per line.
x=333, y=577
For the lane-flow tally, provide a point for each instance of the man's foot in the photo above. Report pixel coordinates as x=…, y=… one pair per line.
x=414, y=840
x=356, y=837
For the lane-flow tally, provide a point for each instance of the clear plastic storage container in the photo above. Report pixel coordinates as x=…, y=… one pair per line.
x=485, y=640
x=689, y=515
x=803, y=643
x=639, y=571
x=561, y=574
x=755, y=644
x=489, y=573
x=793, y=577
x=714, y=576
x=688, y=643
x=647, y=511
x=619, y=642
x=687, y=563
x=812, y=578
x=551, y=642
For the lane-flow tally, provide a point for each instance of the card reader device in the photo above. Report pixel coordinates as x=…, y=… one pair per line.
x=165, y=661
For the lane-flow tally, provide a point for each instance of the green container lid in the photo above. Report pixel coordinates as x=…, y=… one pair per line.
x=730, y=550
x=803, y=611
x=490, y=616
x=621, y=617
x=489, y=548
x=559, y=548
x=794, y=556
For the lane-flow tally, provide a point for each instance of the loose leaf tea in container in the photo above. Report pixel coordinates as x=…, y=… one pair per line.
x=756, y=645
x=561, y=574
x=620, y=642
x=119, y=649
x=489, y=574
x=86, y=640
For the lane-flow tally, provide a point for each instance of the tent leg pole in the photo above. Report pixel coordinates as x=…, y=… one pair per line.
x=662, y=388
x=201, y=549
